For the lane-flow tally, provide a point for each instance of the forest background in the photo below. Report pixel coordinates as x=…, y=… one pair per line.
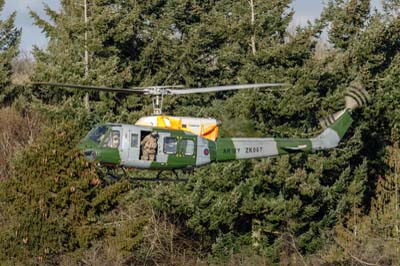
x=336, y=207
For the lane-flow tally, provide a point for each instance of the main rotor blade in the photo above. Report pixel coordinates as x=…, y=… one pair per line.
x=223, y=88
x=162, y=90
x=99, y=88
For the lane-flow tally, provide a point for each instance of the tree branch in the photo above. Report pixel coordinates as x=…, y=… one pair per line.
x=354, y=257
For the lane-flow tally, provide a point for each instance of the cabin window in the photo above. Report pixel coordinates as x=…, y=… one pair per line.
x=170, y=144
x=188, y=146
x=134, y=140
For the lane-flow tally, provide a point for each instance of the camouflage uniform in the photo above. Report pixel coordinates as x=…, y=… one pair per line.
x=149, y=144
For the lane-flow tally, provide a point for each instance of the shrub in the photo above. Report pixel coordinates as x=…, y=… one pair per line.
x=48, y=206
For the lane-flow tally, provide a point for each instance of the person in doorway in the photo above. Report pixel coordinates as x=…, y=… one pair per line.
x=149, y=146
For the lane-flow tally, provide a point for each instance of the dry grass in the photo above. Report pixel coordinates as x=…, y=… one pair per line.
x=23, y=67
x=165, y=244
x=160, y=242
x=16, y=131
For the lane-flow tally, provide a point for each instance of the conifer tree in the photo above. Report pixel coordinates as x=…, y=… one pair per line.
x=347, y=18
x=199, y=43
x=9, y=40
x=63, y=60
x=391, y=7
x=373, y=238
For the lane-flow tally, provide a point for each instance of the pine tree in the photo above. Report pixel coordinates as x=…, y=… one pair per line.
x=347, y=18
x=9, y=40
x=286, y=203
x=53, y=200
x=372, y=238
x=63, y=61
x=391, y=7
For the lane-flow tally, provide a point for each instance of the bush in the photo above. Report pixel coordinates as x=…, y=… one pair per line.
x=48, y=206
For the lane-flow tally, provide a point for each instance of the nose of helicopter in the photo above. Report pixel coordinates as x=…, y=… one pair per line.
x=90, y=154
x=88, y=149
x=95, y=152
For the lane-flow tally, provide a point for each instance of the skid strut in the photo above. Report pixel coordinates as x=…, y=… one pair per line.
x=158, y=178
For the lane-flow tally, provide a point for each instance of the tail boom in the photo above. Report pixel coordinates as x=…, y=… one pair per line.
x=247, y=148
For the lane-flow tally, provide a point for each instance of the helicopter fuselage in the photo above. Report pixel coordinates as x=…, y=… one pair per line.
x=176, y=149
x=163, y=142
x=122, y=145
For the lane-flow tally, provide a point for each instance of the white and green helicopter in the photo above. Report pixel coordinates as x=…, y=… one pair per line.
x=187, y=142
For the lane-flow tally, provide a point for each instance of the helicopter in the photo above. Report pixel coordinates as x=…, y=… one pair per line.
x=187, y=142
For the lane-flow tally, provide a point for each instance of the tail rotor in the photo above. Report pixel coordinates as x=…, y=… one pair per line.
x=355, y=97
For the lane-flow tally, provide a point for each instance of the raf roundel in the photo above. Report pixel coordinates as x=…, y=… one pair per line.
x=206, y=152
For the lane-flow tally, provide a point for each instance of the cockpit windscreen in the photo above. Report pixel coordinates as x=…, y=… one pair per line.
x=97, y=135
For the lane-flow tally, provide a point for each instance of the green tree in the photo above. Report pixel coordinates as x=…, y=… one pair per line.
x=53, y=200
x=391, y=7
x=346, y=18
x=159, y=42
x=297, y=196
x=371, y=238
x=279, y=207
x=9, y=40
x=63, y=60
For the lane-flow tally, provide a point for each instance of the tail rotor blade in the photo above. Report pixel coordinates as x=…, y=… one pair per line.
x=356, y=96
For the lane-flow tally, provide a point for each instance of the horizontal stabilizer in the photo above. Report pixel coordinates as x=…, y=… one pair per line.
x=296, y=148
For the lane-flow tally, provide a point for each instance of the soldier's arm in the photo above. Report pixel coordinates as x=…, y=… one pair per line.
x=145, y=139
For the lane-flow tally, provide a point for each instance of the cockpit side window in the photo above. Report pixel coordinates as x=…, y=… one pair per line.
x=113, y=139
x=98, y=134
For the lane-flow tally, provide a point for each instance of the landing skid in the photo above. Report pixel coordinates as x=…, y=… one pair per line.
x=112, y=176
x=158, y=178
x=147, y=179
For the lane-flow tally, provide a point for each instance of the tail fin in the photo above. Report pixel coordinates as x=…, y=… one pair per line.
x=337, y=124
x=355, y=97
x=332, y=135
x=336, y=127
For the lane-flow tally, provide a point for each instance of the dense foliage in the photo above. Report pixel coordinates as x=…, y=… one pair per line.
x=9, y=40
x=292, y=210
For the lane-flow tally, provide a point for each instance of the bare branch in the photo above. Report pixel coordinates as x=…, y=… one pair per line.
x=354, y=257
x=296, y=249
